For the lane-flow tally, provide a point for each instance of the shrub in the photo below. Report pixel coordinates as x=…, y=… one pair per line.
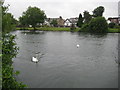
x=111, y=25
x=98, y=25
x=85, y=28
x=9, y=51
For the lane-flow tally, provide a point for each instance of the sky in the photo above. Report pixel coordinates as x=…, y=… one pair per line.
x=64, y=8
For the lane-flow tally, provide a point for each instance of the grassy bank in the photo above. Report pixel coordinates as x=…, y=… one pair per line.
x=113, y=30
x=110, y=30
x=50, y=29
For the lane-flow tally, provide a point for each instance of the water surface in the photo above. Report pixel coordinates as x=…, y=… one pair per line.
x=63, y=65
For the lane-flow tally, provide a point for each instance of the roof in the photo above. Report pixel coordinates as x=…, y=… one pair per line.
x=112, y=18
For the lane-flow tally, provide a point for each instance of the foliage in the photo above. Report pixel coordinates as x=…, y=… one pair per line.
x=85, y=28
x=8, y=21
x=54, y=23
x=111, y=25
x=72, y=27
x=98, y=11
x=80, y=20
x=87, y=17
x=9, y=51
x=98, y=25
x=32, y=16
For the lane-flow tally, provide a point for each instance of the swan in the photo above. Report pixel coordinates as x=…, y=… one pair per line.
x=34, y=59
x=37, y=56
x=78, y=45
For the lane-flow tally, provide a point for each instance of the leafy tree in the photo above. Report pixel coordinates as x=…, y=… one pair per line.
x=32, y=16
x=87, y=17
x=111, y=25
x=54, y=23
x=85, y=28
x=9, y=51
x=80, y=20
x=98, y=25
x=98, y=11
x=8, y=23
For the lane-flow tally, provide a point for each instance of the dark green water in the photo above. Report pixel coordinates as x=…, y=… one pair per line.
x=63, y=65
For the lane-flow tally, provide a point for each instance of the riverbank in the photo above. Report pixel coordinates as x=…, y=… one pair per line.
x=110, y=30
x=50, y=29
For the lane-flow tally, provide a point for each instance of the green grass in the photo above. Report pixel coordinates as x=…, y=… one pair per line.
x=110, y=30
x=113, y=30
x=50, y=29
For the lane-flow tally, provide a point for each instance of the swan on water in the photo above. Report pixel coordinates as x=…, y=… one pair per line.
x=34, y=59
x=37, y=56
x=78, y=45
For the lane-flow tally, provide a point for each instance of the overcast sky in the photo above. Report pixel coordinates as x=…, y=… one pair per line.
x=64, y=8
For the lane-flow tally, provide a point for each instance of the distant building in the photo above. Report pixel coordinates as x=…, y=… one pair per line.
x=119, y=12
x=119, y=9
x=60, y=21
x=114, y=20
x=67, y=23
x=74, y=21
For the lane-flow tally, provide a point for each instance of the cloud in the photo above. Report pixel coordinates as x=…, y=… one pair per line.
x=64, y=8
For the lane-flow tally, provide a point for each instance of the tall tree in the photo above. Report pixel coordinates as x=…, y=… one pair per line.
x=32, y=16
x=87, y=17
x=98, y=11
x=80, y=20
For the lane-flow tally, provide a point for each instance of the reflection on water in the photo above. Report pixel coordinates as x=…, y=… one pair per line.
x=63, y=65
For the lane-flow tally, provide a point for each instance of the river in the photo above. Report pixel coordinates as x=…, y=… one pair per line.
x=63, y=65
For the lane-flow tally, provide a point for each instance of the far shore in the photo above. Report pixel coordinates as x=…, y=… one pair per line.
x=110, y=30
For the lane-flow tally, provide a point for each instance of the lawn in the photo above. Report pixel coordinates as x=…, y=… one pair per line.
x=110, y=30
x=50, y=29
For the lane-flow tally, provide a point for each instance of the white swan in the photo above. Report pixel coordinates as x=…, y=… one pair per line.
x=34, y=59
x=37, y=56
x=78, y=45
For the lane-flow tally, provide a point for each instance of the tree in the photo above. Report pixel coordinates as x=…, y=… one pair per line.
x=98, y=25
x=7, y=20
x=98, y=11
x=9, y=51
x=80, y=20
x=32, y=16
x=54, y=23
x=87, y=17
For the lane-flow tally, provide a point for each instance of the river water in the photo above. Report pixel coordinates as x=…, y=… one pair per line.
x=63, y=65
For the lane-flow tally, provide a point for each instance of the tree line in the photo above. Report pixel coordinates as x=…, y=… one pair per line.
x=94, y=23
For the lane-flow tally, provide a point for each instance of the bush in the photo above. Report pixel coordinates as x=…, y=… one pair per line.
x=98, y=25
x=85, y=28
x=9, y=51
x=111, y=25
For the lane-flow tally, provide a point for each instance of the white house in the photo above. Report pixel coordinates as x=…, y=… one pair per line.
x=67, y=23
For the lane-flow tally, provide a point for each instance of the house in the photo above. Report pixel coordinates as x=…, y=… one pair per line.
x=114, y=20
x=49, y=20
x=74, y=21
x=67, y=23
x=60, y=22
